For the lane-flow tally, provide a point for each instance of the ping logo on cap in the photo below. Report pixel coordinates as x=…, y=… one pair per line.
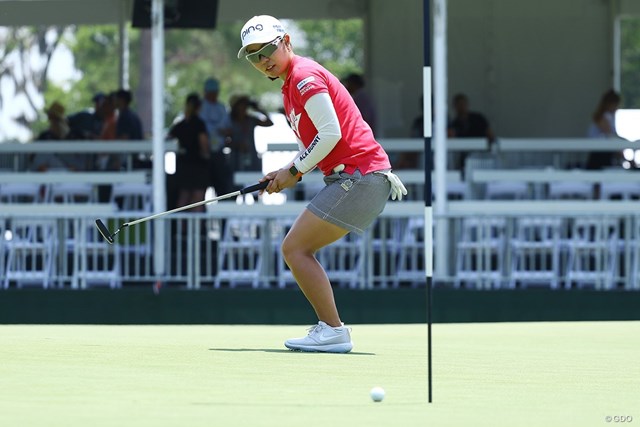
x=277, y=28
x=257, y=27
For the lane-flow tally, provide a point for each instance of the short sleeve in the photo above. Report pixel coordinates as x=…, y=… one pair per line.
x=309, y=82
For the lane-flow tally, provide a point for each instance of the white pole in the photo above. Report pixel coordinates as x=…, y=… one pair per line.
x=123, y=47
x=617, y=46
x=157, y=95
x=440, y=134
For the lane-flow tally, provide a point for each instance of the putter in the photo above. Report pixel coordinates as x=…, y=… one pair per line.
x=110, y=237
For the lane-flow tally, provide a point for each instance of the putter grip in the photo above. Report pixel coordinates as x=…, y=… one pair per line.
x=256, y=187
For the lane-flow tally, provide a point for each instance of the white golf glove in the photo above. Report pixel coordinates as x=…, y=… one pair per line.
x=397, y=187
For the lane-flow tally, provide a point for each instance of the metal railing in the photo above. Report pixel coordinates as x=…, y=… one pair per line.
x=218, y=249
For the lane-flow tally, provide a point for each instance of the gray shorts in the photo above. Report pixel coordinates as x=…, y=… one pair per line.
x=351, y=201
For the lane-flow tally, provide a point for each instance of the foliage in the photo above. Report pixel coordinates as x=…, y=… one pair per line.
x=95, y=51
x=191, y=56
x=336, y=44
x=25, y=56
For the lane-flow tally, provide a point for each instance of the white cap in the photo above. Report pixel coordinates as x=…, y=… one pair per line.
x=260, y=29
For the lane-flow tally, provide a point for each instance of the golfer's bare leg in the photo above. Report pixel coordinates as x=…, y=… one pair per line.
x=308, y=234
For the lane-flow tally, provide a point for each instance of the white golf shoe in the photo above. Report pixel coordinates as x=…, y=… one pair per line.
x=323, y=338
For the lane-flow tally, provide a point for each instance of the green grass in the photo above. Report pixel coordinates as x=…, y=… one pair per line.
x=505, y=374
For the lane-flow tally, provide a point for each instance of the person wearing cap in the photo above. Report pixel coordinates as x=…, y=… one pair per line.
x=87, y=124
x=214, y=114
x=58, y=127
x=216, y=119
x=129, y=127
x=334, y=138
x=58, y=130
x=128, y=123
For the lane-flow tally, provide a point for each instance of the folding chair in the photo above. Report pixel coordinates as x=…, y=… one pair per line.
x=620, y=191
x=96, y=263
x=411, y=258
x=132, y=197
x=535, y=251
x=137, y=200
x=592, y=249
x=570, y=190
x=20, y=193
x=31, y=246
x=499, y=190
x=480, y=252
x=241, y=253
x=74, y=192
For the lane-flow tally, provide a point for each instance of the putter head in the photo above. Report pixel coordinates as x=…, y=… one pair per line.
x=104, y=231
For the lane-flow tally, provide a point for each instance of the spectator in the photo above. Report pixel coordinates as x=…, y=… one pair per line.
x=87, y=124
x=411, y=159
x=192, y=162
x=467, y=124
x=107, y=161
x=58, y=127
x=58, y=130
x=603, y=125
x=108, y=133
x=214, y=114
x=216, y=119
x=129, y=125
x=108, y=113
x=355, y=85
x=243, y=156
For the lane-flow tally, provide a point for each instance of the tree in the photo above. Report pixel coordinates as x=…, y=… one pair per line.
x=190, y=57
x=25, y=56
x=95, y=52
x=336, y=44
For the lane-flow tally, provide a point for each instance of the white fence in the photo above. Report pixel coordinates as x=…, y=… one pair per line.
x=234, y=246
x=238, y=246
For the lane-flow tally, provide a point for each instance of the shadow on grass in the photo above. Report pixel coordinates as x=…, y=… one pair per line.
x=272, y=350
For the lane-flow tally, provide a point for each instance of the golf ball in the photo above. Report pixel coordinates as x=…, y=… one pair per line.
x=377, y=394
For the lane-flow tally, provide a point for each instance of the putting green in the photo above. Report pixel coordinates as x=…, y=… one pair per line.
x=503, y=374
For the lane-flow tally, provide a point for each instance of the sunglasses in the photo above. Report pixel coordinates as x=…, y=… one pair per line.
x=266, y=51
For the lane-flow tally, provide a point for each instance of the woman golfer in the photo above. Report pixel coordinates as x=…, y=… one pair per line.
x=333, y=137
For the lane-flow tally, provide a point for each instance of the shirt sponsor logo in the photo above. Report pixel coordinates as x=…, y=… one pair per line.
x=306, y=89
x=309, y=149
x=304, y=82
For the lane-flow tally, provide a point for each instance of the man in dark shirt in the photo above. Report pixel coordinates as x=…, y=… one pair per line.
x=129, y=125
x=468, y=124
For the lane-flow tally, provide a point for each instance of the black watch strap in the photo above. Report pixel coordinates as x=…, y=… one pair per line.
x=293, y=170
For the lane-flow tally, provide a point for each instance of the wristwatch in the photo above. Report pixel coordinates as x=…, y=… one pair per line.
x=293, y=170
